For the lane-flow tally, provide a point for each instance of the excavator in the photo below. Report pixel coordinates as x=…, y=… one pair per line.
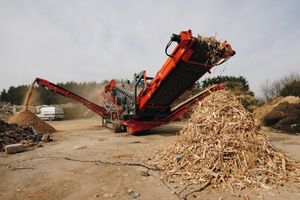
x=147, y=102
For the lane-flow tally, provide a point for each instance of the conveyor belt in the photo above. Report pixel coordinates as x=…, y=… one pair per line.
x=184, y=75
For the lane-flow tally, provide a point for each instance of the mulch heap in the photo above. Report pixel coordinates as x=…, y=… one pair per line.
x=281, y=113
x=222, y=145
x=27, y=118
x=284, y=117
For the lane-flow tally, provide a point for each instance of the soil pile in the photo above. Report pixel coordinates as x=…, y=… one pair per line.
x=280, y=113
x=27, y=118
x=221, y=144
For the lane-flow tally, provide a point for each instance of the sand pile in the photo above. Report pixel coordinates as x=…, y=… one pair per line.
x=221, y=144
x=27, y=118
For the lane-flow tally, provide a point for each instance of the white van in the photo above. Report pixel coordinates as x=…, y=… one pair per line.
x=51, y=113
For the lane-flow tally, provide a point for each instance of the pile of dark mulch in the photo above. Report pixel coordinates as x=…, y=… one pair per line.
x=284, y=117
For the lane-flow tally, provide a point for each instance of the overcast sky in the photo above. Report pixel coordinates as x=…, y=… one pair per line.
x=93, y=40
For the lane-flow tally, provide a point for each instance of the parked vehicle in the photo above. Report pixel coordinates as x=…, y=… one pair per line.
x=51, y=113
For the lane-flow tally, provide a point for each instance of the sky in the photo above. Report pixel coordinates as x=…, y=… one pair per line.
x=96, y=40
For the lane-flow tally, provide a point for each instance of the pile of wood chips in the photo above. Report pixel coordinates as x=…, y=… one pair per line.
x=27, y=118
x=222, y=144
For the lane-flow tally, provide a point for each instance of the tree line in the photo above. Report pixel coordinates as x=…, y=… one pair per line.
x=88, y=90
x=229, y=80
x=44, y=96
x=289, y=85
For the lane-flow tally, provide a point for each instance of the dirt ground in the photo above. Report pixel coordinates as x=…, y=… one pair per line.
x=87, y=161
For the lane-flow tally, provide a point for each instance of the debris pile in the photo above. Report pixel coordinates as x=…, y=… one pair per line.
x=14, y=133
x=222, y=144
x=24, y=128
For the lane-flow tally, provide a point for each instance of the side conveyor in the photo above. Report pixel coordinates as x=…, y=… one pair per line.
x=92, y=106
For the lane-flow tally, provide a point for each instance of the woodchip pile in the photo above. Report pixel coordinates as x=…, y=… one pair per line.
x=222, y=144
x=27, y=118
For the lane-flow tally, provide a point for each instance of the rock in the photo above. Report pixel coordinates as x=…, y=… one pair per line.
x=145, y=173
x=108, y=195
x=46, y=138
x=80, y=147
x=14, y=148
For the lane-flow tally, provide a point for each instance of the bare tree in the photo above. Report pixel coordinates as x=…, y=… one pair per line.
x=274, y=89
x=290, y=78
x=265, y=88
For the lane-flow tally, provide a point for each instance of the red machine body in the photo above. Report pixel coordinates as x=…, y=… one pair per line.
x=125, y=109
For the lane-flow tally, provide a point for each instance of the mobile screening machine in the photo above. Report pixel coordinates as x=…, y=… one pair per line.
x=126, y=109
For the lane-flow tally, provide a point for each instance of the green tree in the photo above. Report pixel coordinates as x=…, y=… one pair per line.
x=16, y=95
x=3, y=96
x=227, y=80
x=87, y=90
x=46, y=96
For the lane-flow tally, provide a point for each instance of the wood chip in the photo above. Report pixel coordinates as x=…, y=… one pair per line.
x=222, y=142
